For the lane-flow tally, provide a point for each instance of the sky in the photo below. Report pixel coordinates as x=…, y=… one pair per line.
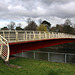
x=54, y=11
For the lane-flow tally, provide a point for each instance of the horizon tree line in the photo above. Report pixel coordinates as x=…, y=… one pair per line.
x=44, y=25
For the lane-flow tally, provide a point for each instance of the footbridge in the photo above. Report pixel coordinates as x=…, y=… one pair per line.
x=12, y=41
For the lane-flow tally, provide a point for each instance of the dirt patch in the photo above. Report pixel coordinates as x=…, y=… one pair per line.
x=14, y=66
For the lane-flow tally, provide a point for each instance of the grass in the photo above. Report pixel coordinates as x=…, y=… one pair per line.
x=35, y=67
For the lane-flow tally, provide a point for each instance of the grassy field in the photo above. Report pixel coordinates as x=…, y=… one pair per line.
x=35, y=67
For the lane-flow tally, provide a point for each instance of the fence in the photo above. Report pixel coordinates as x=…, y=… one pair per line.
x=48, y=56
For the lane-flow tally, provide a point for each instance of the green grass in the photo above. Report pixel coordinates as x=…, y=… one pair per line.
x=35, y=67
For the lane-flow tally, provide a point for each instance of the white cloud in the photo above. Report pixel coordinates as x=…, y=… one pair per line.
x=3, y=23
x=55, y=11
x=3, y=6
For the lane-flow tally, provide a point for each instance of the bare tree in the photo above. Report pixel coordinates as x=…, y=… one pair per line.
x=68, y=22
x=11, y=25
x=31, y=26
x=28, y=20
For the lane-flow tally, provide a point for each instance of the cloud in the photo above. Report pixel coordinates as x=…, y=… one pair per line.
x=3, y=6
x=56, y=1
x=34, y=8
x=62, y=11
x=57, y=10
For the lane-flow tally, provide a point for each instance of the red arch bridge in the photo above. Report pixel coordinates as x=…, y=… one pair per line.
x=12, y=42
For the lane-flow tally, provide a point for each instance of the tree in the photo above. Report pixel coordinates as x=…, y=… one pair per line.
x=11, y=25
x=19, y=27
x=4, y=28
x=67, y=29
x=67, y=26
x=29, y=20
x=42, y=27
x=47, y=24
x=67, y=22
x=31, y=26
x=58, y=28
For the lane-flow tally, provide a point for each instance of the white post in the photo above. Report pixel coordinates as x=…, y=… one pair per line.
x=34, y=54
x=30, y=36
x=45, y=35
x=16, y=36
x=39, y=35
x=26, y=34
x=49, y=35
x=65, y=58
x=33, y=35
x=48, y=56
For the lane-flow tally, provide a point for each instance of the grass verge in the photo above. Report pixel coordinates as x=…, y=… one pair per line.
x=35, y=67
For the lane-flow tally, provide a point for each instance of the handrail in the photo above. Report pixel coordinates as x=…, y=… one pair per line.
x=22, y=35
x=4, y=49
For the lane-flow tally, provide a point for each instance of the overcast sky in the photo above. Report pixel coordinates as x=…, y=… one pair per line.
x=54, y=11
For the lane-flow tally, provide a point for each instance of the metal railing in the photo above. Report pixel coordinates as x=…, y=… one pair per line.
x=4, y=49
x=22, y=35
x=48, y=56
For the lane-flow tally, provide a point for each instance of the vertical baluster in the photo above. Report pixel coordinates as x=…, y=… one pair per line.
x=29, y=35
x=39, y=35
x=33, y=35
x=45, y=35
x=26, y=35
x=17, y=39
x=52, y=35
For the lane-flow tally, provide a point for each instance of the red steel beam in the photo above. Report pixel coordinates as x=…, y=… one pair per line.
x=17, y=47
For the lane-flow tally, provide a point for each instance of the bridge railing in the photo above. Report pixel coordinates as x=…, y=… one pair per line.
x=4, y=49
x=22, y=35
